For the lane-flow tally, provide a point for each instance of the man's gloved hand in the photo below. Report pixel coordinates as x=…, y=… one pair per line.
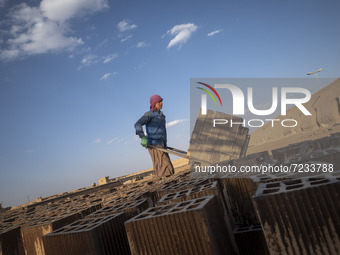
x=144, y=141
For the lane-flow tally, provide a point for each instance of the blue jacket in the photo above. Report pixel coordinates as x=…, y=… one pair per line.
x=155, y=127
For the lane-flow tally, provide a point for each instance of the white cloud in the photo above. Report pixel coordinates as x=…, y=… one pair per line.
x=105, y=76
x=141, y=44
x=9, y=54
x=125, y=25
x=175, y=122
x=109, y=58
x=62, y=10
x=88, y=60
x=97, y=140
x=92, y=59
x=126, y=38
x=215, y=32
x=182, y=34
x=45, y=28
x=116, y=139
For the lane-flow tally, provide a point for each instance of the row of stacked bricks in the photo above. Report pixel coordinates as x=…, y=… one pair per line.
x=246, y=220
x=133, y=199
x=189, y=217
x=21, y=230
x=251, y=224
x=96, y=216
x=188, y=227
x=180, y=216
x=184, y=210
x=309, y=204
x=193, y=226
x=238, y=189
x=103, y=231
x=247, y=231
x=325, y=149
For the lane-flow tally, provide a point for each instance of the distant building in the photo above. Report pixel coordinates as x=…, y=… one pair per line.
x=103, y=180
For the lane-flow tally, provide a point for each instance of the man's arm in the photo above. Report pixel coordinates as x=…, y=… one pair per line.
x=139, y=124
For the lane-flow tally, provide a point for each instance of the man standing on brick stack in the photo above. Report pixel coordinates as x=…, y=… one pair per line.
x=154, y=121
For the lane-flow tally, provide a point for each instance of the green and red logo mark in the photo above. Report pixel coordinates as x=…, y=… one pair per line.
x=209, y=93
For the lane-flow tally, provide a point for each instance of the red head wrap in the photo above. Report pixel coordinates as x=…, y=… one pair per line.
x=153, y=101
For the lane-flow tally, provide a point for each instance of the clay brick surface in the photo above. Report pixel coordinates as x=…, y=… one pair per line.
x=89, y=236
x=190, y=227
x=32, y=235
x=301, y=216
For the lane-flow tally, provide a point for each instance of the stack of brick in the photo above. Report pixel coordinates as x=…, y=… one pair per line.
x=329, y=156
x=201, y=190
x=238, y=191
x=197, y=191
x=95, y=236
x=250, y=240
x=288, y=152
x=170, y=187
x=210, y=145
x=130, y=208
x=306, y=147
x=129, y=200
x=33, y=233
x=10, y=241
x=189, y=227
x=301, y=216
x=252, y=159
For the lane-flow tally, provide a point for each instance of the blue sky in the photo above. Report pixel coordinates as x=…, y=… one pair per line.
x=77, y=74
